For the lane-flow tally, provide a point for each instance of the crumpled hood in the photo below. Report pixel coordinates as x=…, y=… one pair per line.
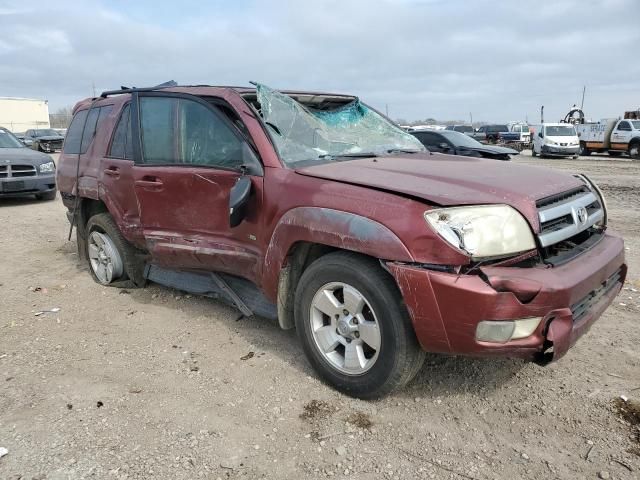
x=24, y=156
x=46, y=138
x=452, y=180
x=495, y=149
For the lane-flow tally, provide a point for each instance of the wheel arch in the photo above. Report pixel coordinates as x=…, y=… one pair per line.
x=304, y=234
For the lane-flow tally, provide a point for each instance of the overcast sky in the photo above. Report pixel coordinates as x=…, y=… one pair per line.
x=499, y=60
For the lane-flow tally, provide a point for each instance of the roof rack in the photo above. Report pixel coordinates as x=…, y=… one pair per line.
x=108, y=93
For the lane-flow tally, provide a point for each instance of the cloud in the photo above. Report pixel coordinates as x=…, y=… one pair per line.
x=498, y=60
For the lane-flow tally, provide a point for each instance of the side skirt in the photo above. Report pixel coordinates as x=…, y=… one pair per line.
x=235, y=291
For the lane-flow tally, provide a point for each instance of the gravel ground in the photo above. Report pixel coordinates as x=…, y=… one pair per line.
x=154, y=383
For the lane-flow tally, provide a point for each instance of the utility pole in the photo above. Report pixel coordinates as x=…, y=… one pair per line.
x=386, y=109
x=584, y=89
x=471, y=118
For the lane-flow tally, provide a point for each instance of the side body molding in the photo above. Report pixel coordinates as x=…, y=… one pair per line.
x=334, y=228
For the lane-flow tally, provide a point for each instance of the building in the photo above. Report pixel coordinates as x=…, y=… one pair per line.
x=20, y=114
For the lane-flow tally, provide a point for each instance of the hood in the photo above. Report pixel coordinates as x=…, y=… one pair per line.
x=448, y=180
x=494, y=149
x=24, y=156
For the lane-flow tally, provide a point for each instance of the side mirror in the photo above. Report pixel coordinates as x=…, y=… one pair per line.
x=238, y=199
x=540, y=135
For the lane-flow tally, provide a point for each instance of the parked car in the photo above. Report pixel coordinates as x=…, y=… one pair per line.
x=24, y=172
x=555, y=140
x=456, y=143
x=522, y=129
x=44, y=139
x=467, y=129
x=492, y=133
x=314, y=209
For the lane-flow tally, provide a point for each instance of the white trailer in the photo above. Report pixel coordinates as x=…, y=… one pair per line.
x=21, y=114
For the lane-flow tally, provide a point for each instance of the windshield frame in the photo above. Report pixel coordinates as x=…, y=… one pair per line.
x=12, y=137
x=357, y=151
x=37, y=134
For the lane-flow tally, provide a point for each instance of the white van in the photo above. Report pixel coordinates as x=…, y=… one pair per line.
x=555, y=139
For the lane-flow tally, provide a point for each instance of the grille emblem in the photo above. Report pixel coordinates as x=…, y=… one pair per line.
x=582, y=215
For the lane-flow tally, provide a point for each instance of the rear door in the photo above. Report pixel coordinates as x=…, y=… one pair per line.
x=188, y=158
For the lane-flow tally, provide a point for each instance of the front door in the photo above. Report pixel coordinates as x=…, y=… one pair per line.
x=621, y=136
x=190, y=157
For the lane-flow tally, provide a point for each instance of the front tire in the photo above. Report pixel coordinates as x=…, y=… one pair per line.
x=533, y=151
x=354, y=328
x=112, y=259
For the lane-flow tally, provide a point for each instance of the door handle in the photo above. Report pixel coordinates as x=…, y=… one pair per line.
x=150, y=183
x=112, y=171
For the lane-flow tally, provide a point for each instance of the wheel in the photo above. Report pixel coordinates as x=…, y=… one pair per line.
x=614, y=153
x=112, y=259
x=584, y=151
x=533, y=151
x=48, y=196
x=354, y=328
x=634, y=150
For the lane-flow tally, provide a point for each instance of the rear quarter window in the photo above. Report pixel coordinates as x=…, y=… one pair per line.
x=74, y=134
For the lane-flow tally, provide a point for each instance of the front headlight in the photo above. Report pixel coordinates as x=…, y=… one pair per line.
x=551, y=142
x=483, y=231
x=48, y=167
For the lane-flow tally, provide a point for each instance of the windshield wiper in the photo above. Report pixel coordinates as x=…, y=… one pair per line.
x=348, y=155
x=402, y=150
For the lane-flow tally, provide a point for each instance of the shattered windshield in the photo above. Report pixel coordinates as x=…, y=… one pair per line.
x=305, y=134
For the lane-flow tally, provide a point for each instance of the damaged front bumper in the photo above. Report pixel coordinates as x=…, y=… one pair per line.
x=445, y=308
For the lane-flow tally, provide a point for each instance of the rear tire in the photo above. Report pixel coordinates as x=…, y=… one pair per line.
x=584, y=151
x=354, y=328
x=112, y=259
x=46, y=197
x=634, y=150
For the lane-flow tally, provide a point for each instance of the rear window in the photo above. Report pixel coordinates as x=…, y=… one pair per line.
x=94, y=120
x=74, y=134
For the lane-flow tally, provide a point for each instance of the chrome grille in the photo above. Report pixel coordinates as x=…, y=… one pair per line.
x=567, y=214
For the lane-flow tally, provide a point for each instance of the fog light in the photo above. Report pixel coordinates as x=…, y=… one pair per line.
x=505, y=330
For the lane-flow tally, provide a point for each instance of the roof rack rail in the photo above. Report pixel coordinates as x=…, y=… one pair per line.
x=108, y=93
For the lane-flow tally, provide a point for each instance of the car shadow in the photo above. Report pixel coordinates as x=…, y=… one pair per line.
x=18, y=201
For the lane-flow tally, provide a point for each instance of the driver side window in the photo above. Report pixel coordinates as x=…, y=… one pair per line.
x=178, y=131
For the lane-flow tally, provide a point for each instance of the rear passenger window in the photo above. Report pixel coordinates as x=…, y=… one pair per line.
x=95, y=118
x=121, y=146
x=74, y=134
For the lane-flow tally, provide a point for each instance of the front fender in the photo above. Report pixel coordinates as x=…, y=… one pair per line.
x=335, y=228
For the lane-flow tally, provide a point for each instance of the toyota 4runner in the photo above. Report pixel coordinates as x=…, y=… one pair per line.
x=316, y=210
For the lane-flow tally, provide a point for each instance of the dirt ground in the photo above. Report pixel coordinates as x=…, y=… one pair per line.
x=154, y=383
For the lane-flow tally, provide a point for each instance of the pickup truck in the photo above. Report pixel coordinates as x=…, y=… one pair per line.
x=316, y=211
x=495, y=133
x=610, y=135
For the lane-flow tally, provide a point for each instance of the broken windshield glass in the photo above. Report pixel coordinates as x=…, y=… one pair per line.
x=303, y=133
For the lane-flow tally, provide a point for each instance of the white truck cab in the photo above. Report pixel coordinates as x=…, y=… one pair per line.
x=555, y=139
x=523, y=130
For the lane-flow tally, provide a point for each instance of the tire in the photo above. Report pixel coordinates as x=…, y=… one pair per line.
x=634, y=150
x=46, y=197
x=127, y=265
x=388, y=356
x=533, y=151
x=584, y=151
x=614, y=153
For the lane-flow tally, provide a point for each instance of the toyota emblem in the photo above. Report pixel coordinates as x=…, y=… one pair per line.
x=582, y=215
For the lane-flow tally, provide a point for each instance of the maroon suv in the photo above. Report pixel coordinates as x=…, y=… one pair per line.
x=314, y=209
